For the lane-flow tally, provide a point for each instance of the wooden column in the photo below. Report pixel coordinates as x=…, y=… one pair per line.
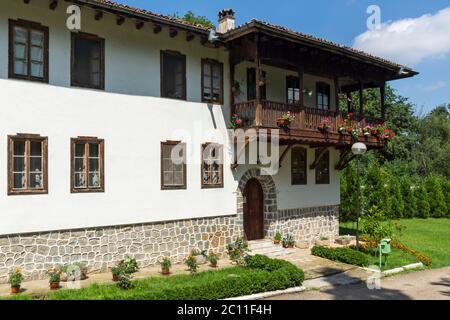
x=361, y=98
x=258, y=113
x=232, y=89
x=336, y=92
x=383, y=101
x=349, y=101
x=301, y=86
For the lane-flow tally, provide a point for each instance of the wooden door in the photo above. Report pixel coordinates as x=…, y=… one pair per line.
x=254, y=210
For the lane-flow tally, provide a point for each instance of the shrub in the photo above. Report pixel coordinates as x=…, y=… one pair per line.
x=410, y=198
x=213, y=258
x=373, y=225
x=277, y=236
x=191, y=263
x=54, y=275
x=237, y=251
x=124, y=282
x=345, y=255
x=210, y=285
x=129, y=265
x=165, y=263
x=420, y=256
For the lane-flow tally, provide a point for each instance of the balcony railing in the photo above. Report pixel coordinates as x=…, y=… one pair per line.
x=305, y=118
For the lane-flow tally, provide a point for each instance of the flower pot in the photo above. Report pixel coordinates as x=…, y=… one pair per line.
x=115, y=278
x=374, y=132
x=15, y=289
x=165, y=271
x=282, y=122
x=54, y=285
x=213, y=265
x=350, y=130
x=276, y=241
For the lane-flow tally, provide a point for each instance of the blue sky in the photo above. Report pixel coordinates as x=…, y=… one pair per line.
x=406, y=36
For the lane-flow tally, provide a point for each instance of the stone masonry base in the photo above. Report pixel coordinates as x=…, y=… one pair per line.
x=101, y=248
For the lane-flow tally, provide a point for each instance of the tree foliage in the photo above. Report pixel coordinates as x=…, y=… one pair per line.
x=194, y=19
x=411, y=176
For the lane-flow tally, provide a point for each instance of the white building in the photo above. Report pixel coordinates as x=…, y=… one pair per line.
x=88, y=119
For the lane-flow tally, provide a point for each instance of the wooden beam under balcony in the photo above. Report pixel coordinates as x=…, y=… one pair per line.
x=120, y=20
x=345, y=158
x=173, y=33
x=139, y=25
x=189, y=36
x=98, y=15
x=157, y=28
x=285, y=152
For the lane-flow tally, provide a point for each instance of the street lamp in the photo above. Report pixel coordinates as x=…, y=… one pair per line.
x=358, y=149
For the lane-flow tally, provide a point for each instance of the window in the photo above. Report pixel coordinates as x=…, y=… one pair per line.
x=173, y=75
x=212, y=165
x=293, y=90
x=323, y=96
x=28, y=51
x=173, y=165
x=27, y=164
x=88, y=61
x=87, y=165
x=298, y=166
x=212, y=81
x=323, y=168
x=251, y=84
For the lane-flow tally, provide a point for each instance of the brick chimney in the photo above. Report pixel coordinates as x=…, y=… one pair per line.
x=226, y=20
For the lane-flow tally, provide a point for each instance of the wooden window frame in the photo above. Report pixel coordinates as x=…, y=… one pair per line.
x=179, y=55
x=101, y=152
x=296, y=103
x=178, y=187
x=305, y=152
x=324, y=85
x=220, y=65
x=27, y=138
x=211, y=186
x=73, y=81
x=29, y=25
x=325, y=156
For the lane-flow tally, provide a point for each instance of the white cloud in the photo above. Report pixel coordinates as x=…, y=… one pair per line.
x=409, y=41
x=434, y=86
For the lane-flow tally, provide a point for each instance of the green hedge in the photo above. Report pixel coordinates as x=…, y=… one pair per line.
x=345, y=255
x=261, y=274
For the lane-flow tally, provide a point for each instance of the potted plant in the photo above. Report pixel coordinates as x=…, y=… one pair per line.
x=165, y=263
x=129, y=265
x=54, y=275
x=388, y=134
x=191, y=263
x=277, y=238
x=367, y=130
x=213, y=258
x=288, y=241
x=285, y=119
x=15, y=280
x=236, y=122
x=116, y=271
x=324, y=125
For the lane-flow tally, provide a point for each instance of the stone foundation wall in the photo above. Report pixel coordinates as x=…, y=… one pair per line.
x=101, y=248
x=305, y=225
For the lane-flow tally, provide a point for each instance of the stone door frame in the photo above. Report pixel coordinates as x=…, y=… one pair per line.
x=270, y=198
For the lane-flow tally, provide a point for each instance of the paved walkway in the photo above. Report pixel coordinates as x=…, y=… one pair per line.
x=423, y=285
x=314, y=267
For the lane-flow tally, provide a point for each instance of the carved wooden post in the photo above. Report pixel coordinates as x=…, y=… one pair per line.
x=258, y=113
x=301, y=86
x=336, y=92
x=383, y=101
x=232, y=89
x=361, y=98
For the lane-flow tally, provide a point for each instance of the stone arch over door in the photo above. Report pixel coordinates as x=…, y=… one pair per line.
x=270, y=198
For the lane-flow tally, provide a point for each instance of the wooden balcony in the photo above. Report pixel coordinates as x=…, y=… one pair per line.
x=305, y=127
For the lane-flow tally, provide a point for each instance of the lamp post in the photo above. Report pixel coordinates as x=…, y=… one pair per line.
x=358, y=149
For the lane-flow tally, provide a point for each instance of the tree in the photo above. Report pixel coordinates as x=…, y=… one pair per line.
x=438, y=207
x=194, y=19
x=409, y=197
x=423, y=207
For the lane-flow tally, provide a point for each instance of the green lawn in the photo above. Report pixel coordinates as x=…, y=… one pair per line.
x=428, y=236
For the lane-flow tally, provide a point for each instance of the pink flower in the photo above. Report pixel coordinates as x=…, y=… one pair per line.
x=238, y=121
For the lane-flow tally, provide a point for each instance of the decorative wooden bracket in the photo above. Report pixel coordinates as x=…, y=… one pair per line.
x=285, y=152
x=322, y=152
x=344, y=160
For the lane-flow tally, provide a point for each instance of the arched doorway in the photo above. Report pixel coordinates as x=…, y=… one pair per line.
x=253, y=210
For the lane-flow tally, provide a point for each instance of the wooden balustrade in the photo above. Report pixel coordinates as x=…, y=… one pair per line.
x=305, y=118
